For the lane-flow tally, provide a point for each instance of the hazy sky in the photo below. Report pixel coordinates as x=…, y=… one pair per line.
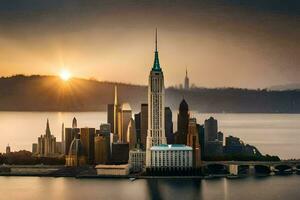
x=240, y=43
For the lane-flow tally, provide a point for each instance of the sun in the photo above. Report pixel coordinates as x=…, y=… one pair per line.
x=65, y=75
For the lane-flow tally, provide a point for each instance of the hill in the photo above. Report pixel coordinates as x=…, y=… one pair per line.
x=50, y=93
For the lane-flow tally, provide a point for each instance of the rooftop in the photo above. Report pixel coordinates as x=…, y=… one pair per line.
x=171, y=147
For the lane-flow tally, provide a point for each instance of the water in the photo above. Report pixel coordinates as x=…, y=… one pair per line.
x=275, y=134
x=34, y=188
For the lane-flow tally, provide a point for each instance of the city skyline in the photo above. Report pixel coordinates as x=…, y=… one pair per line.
x=89, y=42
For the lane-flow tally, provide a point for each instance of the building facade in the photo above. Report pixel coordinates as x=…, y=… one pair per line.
x=176, y=156
x=102, y=149
x=193, y=141
x=137, y=160
x=87, y=136
x=125, y=115
x=131, y=134
x=144, y=124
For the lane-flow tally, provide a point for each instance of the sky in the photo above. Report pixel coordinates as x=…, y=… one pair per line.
x=229, y=43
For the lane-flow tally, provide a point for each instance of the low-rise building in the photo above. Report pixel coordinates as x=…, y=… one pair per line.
x=176, y=156
x=112, y=170
x=137, y=159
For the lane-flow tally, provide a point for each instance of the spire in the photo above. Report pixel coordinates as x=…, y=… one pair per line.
x=116, y=95
x=186, y=73
x=48, y=128
x=156, y=66
x=74, y=123
x=156, y=40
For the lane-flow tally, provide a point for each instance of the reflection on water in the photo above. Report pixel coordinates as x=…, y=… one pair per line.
x=35, y=188
x=277, y=134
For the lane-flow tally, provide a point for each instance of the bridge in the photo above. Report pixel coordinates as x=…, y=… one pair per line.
x=251, y=167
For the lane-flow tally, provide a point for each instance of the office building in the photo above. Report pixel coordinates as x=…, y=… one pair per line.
x=102, y=149
x=169, y=126
x=70, y=134
x=125, y=114
x=201, y=139
x=120, y=153
x=213, y=140
x=87, y=136
x=137, y=160
x=110, y=116
x=116, y=113
x=131, y=134
x=176, y=156
x=182, y=123
x=76, y=157
x=63, y=144
x=105, y=129
x=137, y=121
x=193, y=141
x=144, y=124
x=156, y=108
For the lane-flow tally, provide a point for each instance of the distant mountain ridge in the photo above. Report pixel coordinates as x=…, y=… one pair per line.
x=50, y=93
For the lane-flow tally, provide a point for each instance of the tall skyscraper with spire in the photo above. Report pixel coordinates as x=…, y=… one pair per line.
x=156, y=107
x=186, y=81
x=116, y=113
x=47, y=143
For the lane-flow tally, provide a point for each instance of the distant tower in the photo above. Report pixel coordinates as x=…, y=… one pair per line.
x=186, y=81
x=7, y=149
x=116, y=112
x=193, y=141
x=63, y=138
x=74, y=123
x=156, y=107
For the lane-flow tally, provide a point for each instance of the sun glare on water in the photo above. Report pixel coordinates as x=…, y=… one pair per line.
x=65, y=75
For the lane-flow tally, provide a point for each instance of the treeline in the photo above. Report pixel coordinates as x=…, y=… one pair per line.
x=50, y=93
x=25, y=158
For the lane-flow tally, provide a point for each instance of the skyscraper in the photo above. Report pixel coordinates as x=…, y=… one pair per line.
x=70, y=134
x=125, y=114
x=47, y=143
x=193, y=141
x=182, y=123
x=87, y=139
x=186, y=81
x=102, y=149
x=110, y=116
x=211, y=129
x=131, y=134
x=156, y=107
x=137, y=120
x=144, y=124
x=169, y=125
x=213, y=139
x=116, y=111
x=63, y=138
